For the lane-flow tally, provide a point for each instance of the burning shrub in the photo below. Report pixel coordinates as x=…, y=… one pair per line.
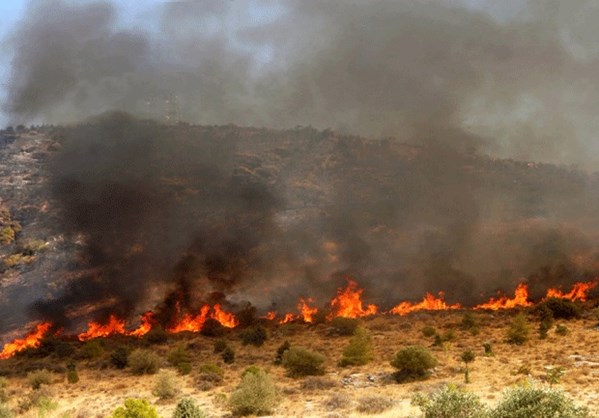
x=38, y=378
x=187, y=408
x=165, y=385
x=561, y=308
x=429, y=331
x=450, y=402
x=255, y=335
x=519, y=330
x=374, y=404
x=144, y=362
x=359, y=350
x=228, y=355
x=256, y=394
x=120, y=358
x=532, y=401
x=414, y=362
x=344, y=326
x=280, y=351
x=302, y=362
x=135, y=408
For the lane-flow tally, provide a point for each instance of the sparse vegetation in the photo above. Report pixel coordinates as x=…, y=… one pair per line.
x=337, y=401
x=220, y=346
x=135, y=408
x=256, y=394
x=91, y=350
x=317, y=383
x=187, y=408
x=165, y=385
x=429, y=331
x=5, y=411
x=413, y=362
x=72, y=375
x=210, y=375
x=359, y=350
x=344, y=326
x=38, y=378
x=561, y=329
x=255, y=335
x=280, y=351
x=180, y=359
x=301, y=362
x=518, y=330
x=374, y=404
x=3, y=390
x=144, y=361
x=450, y=402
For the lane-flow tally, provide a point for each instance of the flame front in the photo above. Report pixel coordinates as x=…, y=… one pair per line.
x=96, y=330
x=307, y=312
x=196, y=323
x=226, y=319
x=580, y=291
x=429, y=303
x=31, y=340
x=287, y=318
x=147, y=322
x=520, y=299
x=348, y=303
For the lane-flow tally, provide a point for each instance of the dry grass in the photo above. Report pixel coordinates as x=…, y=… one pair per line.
x=339, y=392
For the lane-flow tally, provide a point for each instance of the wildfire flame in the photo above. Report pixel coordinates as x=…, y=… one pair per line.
x=270, y=315
x=429, y=303
x=96, y=330
x=348, y=303
x=226, y=319
x=520, y=299
x=147, y=321
x=196, y=323
x=287, y=318
x=307, y=312
x=31, y=340
x=579, y=291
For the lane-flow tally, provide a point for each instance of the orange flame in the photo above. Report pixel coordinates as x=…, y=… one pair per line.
x=147, y=321
x=226, y=319
x=520, y=299
x=579, y=291
x=191, y=323
x=287, y=318
x=95, y=329
x=429, y=303
x=31, y=340
x=271, y=315
x=307, y=312
x=348, y=303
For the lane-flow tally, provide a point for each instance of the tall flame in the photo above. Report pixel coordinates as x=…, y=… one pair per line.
x=147, y=321
x=520, y=299
x=31, y=340
x=429, y=303
x=287, y=318
x=580, y=291
x=307, y=312
x=226, y=319
x=348, y=303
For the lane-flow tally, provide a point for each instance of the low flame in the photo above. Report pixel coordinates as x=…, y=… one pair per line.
x=147, y=322
x=429, y=303
x=348, y=303
x=270, y=315
x=96, y=330
x=307, y=312
x=520, y=299
x=196, y=323
x=287, y=318
x=226, y=319
x=31, y=340
x=580, y=291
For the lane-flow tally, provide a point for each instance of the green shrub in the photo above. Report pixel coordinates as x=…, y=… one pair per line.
x=300, y=362
x=255, y=335
x=344, y=326
x=180, y=359
x=40, y=399
x=212, y=328
x=468, y=321
x=488, y=347
x=282, y=348
x=554, y=375
x=467, y=357
x=187, y=408
x=252, y=369
x=220, y=346
x=208, y=380
x=519, y=330
x=211, y=368
x=120, y=358
x=450, y=402
x=165, y=385
x=561, y=308
x=135, y=408
x=72, y=375
x=228, y=355
x=429, y=331
x=247, y=315
x=184, y=368
x=374, y=404
x=533, y=401
x=157, y=335
x=3, y=392
x=5, y=411
x=561, y=330
x=413, y=362
x=359, y=350
x=544, y=327
x=38, y=378
x=144, y=362
x=91, y=350
x=256, y=394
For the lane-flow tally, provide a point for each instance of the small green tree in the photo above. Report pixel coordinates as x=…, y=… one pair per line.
x=450, y=402
x=165, y=385
x=467, y=357
x=72, y=375
x=359, y=350
x=144, y=362
x=187, y=408
x=519, y=330
x=413, y=362
x=488, y=347
x=255, y=335
x=255, y=395
x=135, y=408
x=301, y=362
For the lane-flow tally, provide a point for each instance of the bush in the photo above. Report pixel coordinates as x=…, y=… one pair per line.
x=544, y=328
x=39, y=399
x=5, y=411
x=519, y=330
x=374, y=404
x=450, y=402
x=247, y=315
x=359, y=350
x=187, y=408
x=561, y=330
x=212, y=328
x=255, y=335
x=429, y=331
x=467, y=357
x=210, y=376
x=220, y=346
x=344, y=326
x=561, y=308
x=317, y=383
x=337, y=401
x=165, y=385
x=135, y=408
x=300, y=362
x=468, y=321
x=282, y=348
x=3, y=393
x=228, y=355
x=120, y=358
x=91, y=350
x=252, y=369
x=72, y=375
x=532, y=401
x=414, y=362
x=38, y=378
x=157, y=335
x=256, y=394
x=144, y=362
x=211, y=368
x=488, y=347
x=180, y=359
